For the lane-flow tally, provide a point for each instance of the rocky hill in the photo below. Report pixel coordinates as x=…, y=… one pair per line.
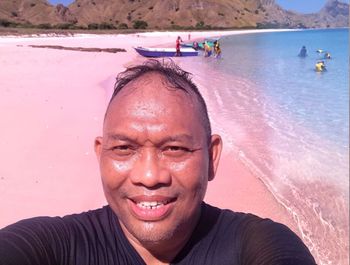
x=334, y=13
x=34, y=12
x=169, y=14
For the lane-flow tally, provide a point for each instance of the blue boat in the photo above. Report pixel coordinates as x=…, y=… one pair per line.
x=165, y=52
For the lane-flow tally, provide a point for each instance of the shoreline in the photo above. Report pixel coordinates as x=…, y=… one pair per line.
x=62, y=33
x=40, y=91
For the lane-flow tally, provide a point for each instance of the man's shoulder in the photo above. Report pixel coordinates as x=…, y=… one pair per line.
x=100, y=213
x=47, y=223
x=261, y=238
x=247, y=222
x=228, y=215
x=231, y=215
x=52, y=240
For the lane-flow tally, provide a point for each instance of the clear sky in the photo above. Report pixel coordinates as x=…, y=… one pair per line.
x=302, y=6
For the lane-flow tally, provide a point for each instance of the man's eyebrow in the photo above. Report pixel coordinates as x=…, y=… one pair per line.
x=167, y=139
x=178, y=138
x=120, y=137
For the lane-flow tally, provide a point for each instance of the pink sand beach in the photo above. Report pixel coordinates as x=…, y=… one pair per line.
x=52, y=104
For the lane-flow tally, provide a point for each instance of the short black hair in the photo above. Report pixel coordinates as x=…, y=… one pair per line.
x=176, y=77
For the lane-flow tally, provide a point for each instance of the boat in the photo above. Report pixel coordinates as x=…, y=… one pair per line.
x=165, y=52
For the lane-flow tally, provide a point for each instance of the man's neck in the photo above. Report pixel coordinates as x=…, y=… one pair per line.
x=160, y=253
x=163, y=252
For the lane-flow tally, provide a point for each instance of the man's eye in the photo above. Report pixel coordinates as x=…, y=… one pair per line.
x=123, y=150
x=121, y=147
x=176, y=150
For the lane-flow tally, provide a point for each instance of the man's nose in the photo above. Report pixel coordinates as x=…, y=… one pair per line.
x=149, y=170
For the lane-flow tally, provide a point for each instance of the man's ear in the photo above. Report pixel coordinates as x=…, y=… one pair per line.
x=98, y=147
x=214, y=155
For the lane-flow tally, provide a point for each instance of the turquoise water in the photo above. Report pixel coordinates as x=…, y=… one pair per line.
x=320, y=101
x=289, y=124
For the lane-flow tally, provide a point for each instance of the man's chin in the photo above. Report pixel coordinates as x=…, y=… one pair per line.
x=153, y=233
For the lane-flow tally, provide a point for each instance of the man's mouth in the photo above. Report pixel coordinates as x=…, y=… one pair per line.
x=151, y=205
x=153, y=208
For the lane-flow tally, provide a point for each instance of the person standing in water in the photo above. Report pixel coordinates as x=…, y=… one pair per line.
x=217, y=49
x=320, y=66
x=207, y=49
x=303, y=52
x=327, y=55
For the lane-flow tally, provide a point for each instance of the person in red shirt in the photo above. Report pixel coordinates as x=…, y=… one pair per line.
x=178, y=40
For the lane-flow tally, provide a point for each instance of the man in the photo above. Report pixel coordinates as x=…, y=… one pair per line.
x=217, y=49
x=156, y=157
x=303, y=52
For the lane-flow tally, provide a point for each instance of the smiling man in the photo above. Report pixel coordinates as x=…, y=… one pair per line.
x=156, y=156
x=155, y=164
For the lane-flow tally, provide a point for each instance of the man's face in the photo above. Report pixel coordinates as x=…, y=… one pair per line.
x=155, y=160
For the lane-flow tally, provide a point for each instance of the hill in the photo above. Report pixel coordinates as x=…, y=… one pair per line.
x=169, y=14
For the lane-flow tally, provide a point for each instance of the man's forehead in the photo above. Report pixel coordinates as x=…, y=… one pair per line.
x=153, y=85
x=145, y=79
x=151, y=98
x=151, y=95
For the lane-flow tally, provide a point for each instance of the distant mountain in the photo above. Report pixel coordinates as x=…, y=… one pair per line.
x=171, y=14
x=334, y=13
x=35, y=12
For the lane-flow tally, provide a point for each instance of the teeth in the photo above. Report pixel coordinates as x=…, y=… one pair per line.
x=150, y=205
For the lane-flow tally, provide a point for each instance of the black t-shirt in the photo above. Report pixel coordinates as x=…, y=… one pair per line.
x=95, y=238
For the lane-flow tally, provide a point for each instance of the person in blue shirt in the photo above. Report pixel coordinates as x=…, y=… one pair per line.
x=303, y=52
